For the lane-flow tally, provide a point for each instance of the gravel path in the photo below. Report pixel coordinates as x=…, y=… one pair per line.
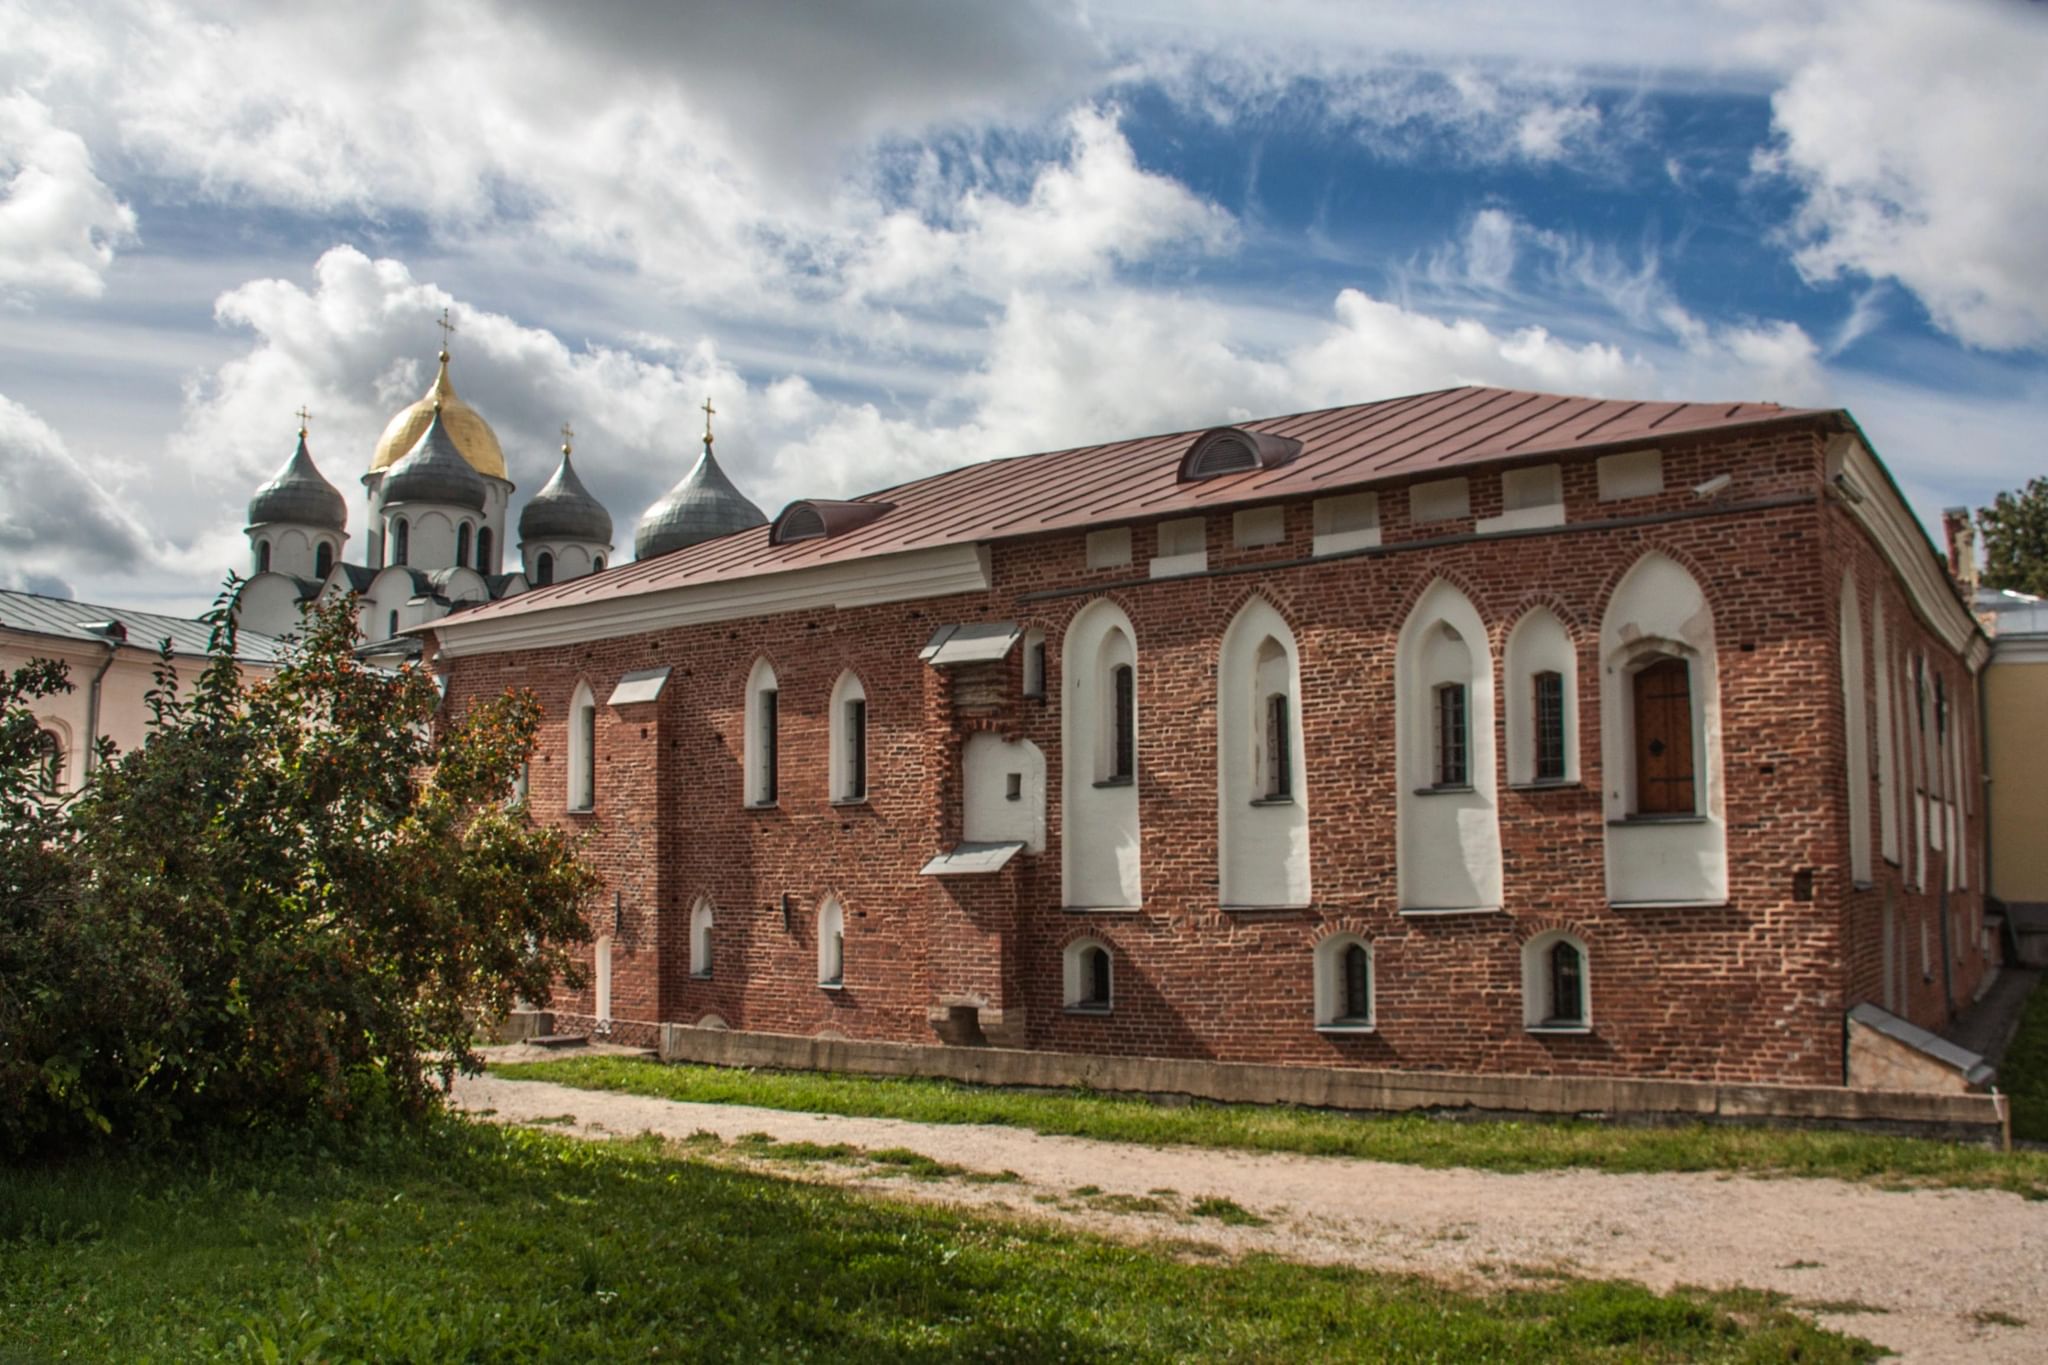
x=1934, y=1261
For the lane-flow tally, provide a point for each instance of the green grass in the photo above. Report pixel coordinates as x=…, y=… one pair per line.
x=484, y=1244
x=1412, y=1139
x=2024, y=1073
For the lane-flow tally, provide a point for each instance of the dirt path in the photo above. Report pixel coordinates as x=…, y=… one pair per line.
x=1936, y=1262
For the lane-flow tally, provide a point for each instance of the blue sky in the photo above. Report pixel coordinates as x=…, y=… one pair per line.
x=899, y=235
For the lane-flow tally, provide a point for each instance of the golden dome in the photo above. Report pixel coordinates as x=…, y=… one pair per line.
x=464, y=424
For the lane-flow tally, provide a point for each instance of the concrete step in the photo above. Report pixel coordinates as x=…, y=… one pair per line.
x=559, y=1040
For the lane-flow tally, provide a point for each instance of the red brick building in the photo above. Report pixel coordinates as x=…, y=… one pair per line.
x=1477, y=730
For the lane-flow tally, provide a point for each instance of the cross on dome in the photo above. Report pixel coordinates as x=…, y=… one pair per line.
x=568, y=437
x=304, y=417
x=708, y=410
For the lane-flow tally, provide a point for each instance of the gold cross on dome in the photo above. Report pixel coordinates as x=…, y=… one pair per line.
x=708, y=410
x=568, y=436
x=304, y=417
x=446, y=327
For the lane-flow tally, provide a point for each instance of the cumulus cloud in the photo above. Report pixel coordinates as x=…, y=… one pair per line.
x=56, y=519
x=1912, y=129
x=59, y=222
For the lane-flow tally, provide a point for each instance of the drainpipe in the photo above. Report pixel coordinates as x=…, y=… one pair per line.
x=113, y=635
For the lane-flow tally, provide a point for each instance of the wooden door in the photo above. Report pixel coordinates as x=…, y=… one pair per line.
x=1664, y=778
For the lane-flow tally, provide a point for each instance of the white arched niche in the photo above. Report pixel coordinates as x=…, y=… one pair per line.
x=1449, y=828
x=1887, y=737
x=1099, y=741
x=582, y=789
x=1344, y=986
x=700, y=939
x=1856, y=729
x=1004, y=792
x=831, y=944
x=1666, y=825
x=1543, y=701
x=1261, y=787
x=1557, y=984
x=849, y=726
x=761, y=756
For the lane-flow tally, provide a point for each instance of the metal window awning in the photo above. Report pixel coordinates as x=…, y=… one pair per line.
x=640, y=686
x=977, y=642
x=973, y=860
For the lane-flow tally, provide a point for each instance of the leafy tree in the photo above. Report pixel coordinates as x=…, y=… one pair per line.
x=292, y=900
x=2015, y=528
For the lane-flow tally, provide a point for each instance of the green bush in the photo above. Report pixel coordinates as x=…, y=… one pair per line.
x=289, y=903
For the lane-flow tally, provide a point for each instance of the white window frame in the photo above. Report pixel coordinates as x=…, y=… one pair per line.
x=1330, y=986
x=1074, y=961
x=755, y=751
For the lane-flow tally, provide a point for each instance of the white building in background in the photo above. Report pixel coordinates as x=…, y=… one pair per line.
x=111, y=656
x=439, y=498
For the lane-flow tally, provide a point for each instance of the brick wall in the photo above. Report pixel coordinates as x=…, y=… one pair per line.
x=1755, y=990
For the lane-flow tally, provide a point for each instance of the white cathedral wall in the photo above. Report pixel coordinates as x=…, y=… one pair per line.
x=1263, y=846
x=1656, y=611
x=269, y=604
x=573, y=559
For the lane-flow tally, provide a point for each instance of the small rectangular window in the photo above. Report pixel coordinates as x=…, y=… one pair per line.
x=1451, y=770
x=769, y=744
x=857, y=749
x=1013, y=787
x=1279, y=749
x=1549, y=715
x=1123, y=765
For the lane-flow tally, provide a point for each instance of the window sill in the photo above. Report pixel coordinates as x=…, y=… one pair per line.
x=1033, y=696
x=1096, y=1010
x=850, y=800
x=1448, y=789
x=700, y=976
x=1667, y=905
x=762, y=805
x=1341, y=1028
x=1440, y=911
x=1547, y=784
x=1559, y=1030
x=1100, y=909
x=1116, y=782
x=834, y=986
x=1272, y=801
x=580, y=810
x=1658, y=820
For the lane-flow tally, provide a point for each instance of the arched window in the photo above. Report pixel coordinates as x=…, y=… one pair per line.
x=1660, y=740
x=582, y=749
x=831, y=944
x=597, y=564
x=1542, y=701
x=1446, y=778
x=262, y=556
x=1100, y=725
x=1556, y=990
x=401, y=541
x=391, y=627
x=1344, y=986
x=483, y=551
x=49, y=759
x=543, y=570
x=462, y=546
x=700, y=940
x=762, y=737
x=1089, y=971
x=323, y=560
x=1034, y=663
x=849, y=760
x=1262, y=794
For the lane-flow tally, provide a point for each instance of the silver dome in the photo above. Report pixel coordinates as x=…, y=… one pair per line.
x=299, y=496
x=564, y=510
x=704, y=506
x=434, y=471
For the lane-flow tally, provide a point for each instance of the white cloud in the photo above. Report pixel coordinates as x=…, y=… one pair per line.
x=57, y=521
x=1913, y=128
x=59, y=222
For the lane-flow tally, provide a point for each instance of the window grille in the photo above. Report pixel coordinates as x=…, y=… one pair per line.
x=1123, y=765
x=769, y=756
x=1567, y=984
x=857, y=749
x=1357, y=985
x=1451, y=768
x=1549, y=727
x=1279, y=749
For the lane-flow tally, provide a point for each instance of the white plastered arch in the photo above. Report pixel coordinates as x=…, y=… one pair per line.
x=1262, y=842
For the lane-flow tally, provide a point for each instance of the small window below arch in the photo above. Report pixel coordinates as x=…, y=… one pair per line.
x=1548, y=731
x=1089, y=977
x=1344, y=985
x=323, y=561
x=597, y=564
x=1452, y=748
x=462, y=534
x=483, y=552
x=1122, y=766
x=543, y=570
x=1279, y=774
x=401, y=541
x=391, y=627
x=700, y=940
x=1034, y=663
x=831, y=946
x=262, y=556
x=1556, y=989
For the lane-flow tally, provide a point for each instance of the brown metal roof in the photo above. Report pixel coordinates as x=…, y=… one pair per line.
x=1395, y=439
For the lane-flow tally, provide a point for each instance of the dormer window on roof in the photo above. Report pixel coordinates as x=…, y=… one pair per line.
x=818, y=519
x=1233, y=450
